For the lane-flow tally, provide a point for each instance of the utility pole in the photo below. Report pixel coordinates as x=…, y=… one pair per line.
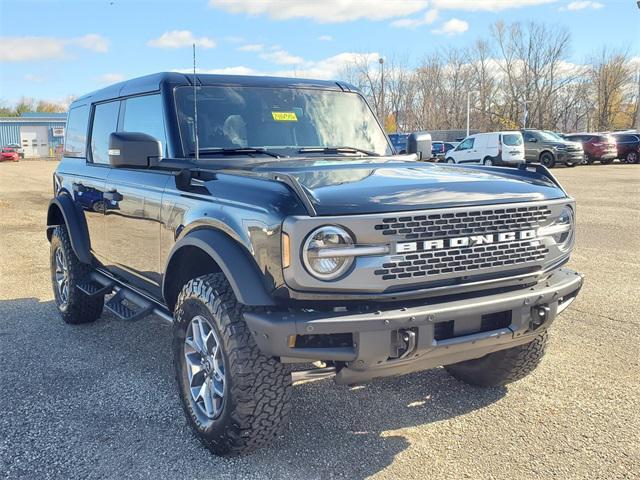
x=525, y=113
x=469, y=107
x=381, y=62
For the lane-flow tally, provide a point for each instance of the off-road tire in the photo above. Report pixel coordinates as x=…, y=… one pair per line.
x=79, y=307
x=257, y=391
x=501, y=367
x=547, y=159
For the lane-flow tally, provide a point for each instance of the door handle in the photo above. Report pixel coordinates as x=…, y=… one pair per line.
x=78, y=187
x=112, y=195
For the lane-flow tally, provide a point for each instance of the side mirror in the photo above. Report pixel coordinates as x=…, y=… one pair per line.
x=133, y=149
x=420, y=144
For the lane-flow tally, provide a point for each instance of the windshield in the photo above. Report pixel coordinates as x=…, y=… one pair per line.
x=551, y=136
x=278, y=119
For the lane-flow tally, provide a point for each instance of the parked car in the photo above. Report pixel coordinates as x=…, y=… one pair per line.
x=399, y=142
x=549, y=149
x=271, y=243
x=439, y=149
x=495, y=148
x=18, y=148
x=597, y=147
x=628, y=147
x=8, y=153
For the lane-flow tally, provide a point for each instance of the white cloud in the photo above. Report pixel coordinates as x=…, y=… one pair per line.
x=324, y=69
x=251, y=47
x=581, y=5
x=486, y=5
x=93, y=42
x=325, y=38
x=18, y=49
x=327, y=11
x=110, y=78
x=428, y=18
x=452, y=27
x=180, y=39
x=281, y=57
x=234, y=39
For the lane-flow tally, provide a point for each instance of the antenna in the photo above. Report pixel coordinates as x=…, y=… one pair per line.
x=195, y=104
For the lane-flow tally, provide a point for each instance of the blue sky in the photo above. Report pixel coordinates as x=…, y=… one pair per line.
x=52, y=49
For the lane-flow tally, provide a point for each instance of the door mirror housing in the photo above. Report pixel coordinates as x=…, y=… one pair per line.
x=420, y=144
x=133, y=149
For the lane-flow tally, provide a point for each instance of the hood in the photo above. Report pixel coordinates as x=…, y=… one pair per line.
x=338, y=187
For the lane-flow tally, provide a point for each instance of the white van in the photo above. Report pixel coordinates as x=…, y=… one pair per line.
x=495, y=148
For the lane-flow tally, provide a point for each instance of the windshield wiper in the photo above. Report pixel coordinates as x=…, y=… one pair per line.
x=235, y=151
x=337, y=150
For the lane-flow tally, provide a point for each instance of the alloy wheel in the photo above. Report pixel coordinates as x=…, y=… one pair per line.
x=205, y=367
x=62, y=275
x=632, y=157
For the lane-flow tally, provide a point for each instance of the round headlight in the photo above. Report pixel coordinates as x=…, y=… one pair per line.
x=561, y=230
x=316, y=252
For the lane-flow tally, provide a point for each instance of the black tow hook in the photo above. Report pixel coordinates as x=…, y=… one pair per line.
x=539, y=316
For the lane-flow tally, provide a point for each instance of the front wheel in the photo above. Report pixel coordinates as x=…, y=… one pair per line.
x=487, y=161
x=450, y=160
x=501, y=367
x=235, y=398
x=547, y=160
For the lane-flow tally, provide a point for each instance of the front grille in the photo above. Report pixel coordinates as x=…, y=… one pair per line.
x=468, y=258
x=462, y=259
x=475, y=222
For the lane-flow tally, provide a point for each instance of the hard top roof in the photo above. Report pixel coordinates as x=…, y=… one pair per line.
x=153, y=83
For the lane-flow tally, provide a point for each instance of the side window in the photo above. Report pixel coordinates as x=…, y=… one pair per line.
x=467, y=144
x=145, y=115
x=528, y=137
x=105, y=122
x=75, y=140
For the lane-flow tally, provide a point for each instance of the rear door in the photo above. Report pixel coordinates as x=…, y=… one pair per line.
x=512, y=147
x=132, y=214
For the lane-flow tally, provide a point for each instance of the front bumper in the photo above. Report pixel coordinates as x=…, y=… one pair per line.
x=569, y=157
x=371, y=354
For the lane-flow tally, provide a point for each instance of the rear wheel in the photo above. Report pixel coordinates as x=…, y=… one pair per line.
x=235, y=398
x=547, y=159
x=502, y=367
x=632, y=157
x=66, y=272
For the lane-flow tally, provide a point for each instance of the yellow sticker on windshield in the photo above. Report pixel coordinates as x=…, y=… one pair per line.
x=284, y=116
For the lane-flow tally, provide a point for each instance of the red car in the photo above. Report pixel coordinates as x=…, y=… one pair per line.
x=596, y=146
x=8, y=153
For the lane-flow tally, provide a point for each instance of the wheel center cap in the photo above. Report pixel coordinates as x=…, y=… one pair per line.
x=208, y=365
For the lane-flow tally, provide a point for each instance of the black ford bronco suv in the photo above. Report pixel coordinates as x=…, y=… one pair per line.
x=269, y=220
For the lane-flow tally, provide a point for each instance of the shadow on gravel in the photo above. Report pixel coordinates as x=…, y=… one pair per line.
x=99, y=400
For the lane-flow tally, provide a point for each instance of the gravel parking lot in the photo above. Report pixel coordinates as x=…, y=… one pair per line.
x=99, y=400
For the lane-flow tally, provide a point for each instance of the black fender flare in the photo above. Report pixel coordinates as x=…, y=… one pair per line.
x=234, y=261
x=75, y=223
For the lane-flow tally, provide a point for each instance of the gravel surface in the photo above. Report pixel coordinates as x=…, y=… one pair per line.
x=99, y=400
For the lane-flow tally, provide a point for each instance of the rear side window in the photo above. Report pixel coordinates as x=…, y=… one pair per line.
x=75, y=141
x=105, y=122
x=512, y=139
x=145, y=115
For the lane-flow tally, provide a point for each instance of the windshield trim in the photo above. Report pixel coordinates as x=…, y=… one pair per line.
x=186, y=154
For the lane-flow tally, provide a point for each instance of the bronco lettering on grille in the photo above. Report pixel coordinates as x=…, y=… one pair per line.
x=471, y=240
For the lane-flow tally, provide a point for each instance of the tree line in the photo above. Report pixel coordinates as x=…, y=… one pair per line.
x=517, y=67
x=31, y=105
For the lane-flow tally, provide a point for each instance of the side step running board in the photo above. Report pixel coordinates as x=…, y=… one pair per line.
x=96, y=284
x=126, y=305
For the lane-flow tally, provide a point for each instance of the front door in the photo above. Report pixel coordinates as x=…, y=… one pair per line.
x=134, y=200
